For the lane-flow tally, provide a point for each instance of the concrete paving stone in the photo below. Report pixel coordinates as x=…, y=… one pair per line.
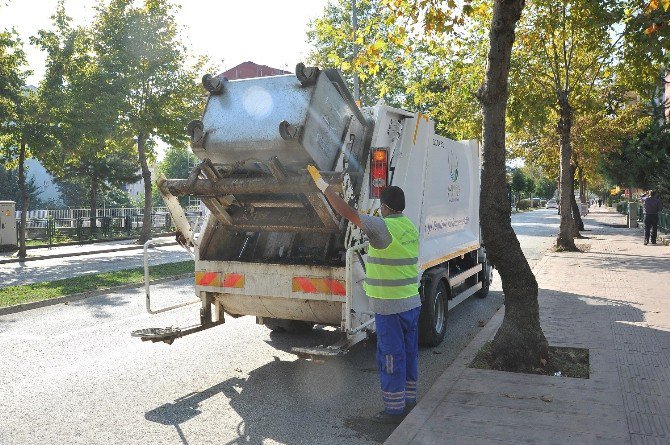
x=535, y=379
x=638, y=439
x=656, y=373
x=649, y=424
x=556, y=405
x=610, y=396
x=441, y=428
x=600, y=300
x=565, y=423
x=428, y=438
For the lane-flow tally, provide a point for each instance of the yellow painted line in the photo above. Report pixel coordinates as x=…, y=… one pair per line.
x=449, y=257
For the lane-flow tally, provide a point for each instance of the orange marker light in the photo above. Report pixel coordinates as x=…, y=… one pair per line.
x=379, y=155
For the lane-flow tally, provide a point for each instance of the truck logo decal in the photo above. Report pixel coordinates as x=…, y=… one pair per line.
x=453, y=169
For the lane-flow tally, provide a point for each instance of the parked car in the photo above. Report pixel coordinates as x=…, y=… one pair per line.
x=551, y=204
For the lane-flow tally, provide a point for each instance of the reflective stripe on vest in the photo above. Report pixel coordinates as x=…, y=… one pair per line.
x=392, y=273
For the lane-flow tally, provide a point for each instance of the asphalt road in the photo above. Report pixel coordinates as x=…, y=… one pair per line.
x=72, y=373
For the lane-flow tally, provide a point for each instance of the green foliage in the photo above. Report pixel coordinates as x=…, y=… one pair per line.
x=545, y=188
x=414, y=68
x=519, y=181
x=178, y=162
x=75, y=194
x=12, y=85
x=9, y=189
x=381, y=64
x=83, y=109
x=642, y=161
x=140, y=53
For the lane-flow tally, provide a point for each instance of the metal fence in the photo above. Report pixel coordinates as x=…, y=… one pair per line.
x=663, y=217
x=50, y=227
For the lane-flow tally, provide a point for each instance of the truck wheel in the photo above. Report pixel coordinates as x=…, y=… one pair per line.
x=433, y=318
x=486, y=276
x=288, y=326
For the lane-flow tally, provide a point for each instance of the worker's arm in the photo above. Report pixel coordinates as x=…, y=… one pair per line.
x=335, y=200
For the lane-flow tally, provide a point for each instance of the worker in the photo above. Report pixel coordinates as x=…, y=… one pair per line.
x=392, y=277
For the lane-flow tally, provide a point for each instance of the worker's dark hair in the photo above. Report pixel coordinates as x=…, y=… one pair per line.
x=394, y=198
x=653, y=193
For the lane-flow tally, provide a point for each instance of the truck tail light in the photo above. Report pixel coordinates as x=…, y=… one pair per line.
x=378, y=172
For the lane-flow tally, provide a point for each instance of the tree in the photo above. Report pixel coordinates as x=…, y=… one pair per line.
x=140, y=52
x=519, y=183
x=642, y=161
x=177, y=163
x=10, y=190
x=545, y=188
x=381, y=66
x=84, y=108
x=519, y=344
x=564, y=49
x=17, y=109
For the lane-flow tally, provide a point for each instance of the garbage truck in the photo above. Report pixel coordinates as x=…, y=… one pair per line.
x=273, y=248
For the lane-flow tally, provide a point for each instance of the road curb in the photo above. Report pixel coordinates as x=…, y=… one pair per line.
x=411, y=426
x=88, y=252
x=82, y=295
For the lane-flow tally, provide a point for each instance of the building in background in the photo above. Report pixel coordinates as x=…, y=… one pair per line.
x=249, y=70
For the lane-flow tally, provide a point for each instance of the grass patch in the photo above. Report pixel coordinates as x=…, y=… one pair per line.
x=570, y=362
x=12, y=295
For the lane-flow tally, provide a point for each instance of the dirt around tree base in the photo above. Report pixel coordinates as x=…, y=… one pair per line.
x=570, y=362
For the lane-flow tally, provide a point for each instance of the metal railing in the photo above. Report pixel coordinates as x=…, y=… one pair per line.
x=663, y=217
x=51, y=230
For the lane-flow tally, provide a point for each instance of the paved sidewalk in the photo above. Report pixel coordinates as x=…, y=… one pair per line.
x=612, y=300
x=81, y=249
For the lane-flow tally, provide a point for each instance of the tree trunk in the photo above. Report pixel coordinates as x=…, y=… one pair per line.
x=94, y=204
x=582, y=186
x=576, y=214
x=519, y=344
x=25, y=199
x=567, y=229
x=146, y=178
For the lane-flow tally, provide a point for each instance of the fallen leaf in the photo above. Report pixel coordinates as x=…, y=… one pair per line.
x=543, y=361
x=435, y=351
x=547, y=399
x=481, y=323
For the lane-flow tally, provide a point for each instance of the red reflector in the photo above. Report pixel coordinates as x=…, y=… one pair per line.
x=378, y=172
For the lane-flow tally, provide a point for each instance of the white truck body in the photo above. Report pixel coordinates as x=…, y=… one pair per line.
x=440, y=178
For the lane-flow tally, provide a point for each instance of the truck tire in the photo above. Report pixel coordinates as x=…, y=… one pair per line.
x=486, y=276
x=434, y=312
x=288, y=326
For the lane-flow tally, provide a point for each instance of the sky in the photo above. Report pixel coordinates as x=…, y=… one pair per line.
x=267, y=32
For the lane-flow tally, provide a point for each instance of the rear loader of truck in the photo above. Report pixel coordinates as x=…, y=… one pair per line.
x=273, y=248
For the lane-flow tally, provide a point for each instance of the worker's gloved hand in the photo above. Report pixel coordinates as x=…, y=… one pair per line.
x=318, y=180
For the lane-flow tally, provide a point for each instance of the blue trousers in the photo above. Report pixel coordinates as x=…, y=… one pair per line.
x=398, y=358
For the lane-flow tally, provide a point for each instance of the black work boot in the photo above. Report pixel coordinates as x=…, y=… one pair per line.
x=389, y=419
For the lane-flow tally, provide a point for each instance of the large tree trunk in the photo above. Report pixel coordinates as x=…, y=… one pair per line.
x=567, y=229
x=25, y=199
x=519, y=344
x=146, y=178
x=582, y=186
x=576, y=214
x=93, y=196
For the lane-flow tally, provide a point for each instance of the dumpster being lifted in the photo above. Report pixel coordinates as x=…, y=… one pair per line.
x=273, y=248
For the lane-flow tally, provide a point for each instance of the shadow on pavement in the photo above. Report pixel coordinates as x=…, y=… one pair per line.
x=281, y=400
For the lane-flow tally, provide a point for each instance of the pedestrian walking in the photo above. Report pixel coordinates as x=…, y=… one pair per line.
x=652, y=206
x=391, y=283
x=600, y=202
